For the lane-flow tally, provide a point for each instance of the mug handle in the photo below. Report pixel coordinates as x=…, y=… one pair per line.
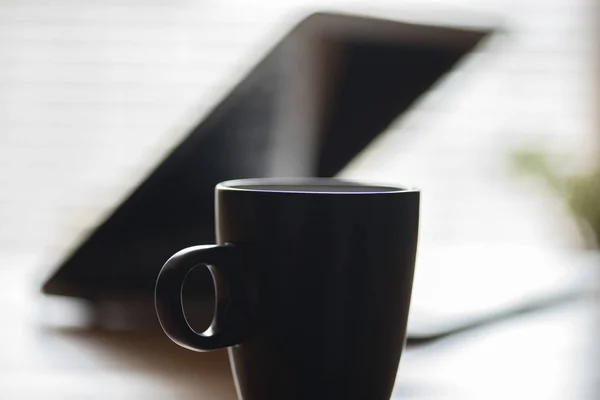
x=229, y=324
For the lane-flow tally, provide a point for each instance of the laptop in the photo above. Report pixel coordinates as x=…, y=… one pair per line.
x=315, y=100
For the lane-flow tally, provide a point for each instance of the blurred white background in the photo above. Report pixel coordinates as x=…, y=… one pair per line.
x=91, y=94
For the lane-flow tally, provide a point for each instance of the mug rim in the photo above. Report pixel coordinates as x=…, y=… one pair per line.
x=257, y=185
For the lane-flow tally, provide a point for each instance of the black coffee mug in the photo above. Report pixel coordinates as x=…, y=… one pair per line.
x=313, y=280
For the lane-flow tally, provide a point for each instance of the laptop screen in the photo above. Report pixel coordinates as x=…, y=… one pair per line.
x=315, y=101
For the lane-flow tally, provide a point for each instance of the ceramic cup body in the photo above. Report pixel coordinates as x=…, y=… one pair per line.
x=313, y=280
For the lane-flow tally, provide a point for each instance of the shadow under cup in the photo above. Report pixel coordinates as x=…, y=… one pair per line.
x=313, y=280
